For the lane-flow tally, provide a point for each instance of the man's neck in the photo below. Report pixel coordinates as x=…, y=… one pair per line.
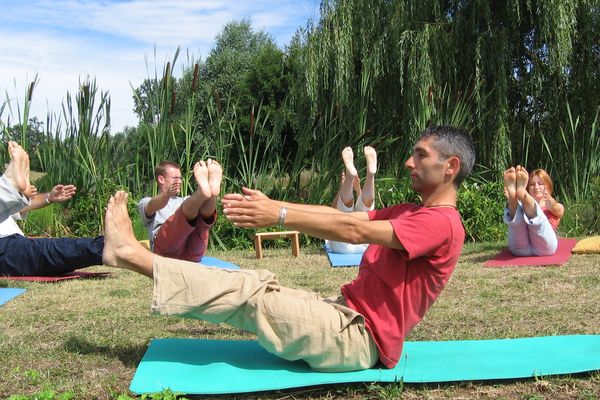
x=444, y=196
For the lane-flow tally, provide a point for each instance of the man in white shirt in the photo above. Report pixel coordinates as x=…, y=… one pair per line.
x=178, y=227
x=21, y=256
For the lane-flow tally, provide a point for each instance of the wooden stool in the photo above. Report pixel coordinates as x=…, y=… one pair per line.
x=260, y=236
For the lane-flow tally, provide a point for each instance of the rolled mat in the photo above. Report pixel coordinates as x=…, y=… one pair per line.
x=198, y=366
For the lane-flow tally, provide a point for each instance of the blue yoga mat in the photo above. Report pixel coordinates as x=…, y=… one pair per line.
x=8, y=293
x=197, y=366
x=343, y=259
x=215, y=262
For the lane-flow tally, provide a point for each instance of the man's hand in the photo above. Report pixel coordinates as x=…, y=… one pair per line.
x=247, y=194
x=172, y=190
x=30, y=192
x=61, y=193
x=253, y=209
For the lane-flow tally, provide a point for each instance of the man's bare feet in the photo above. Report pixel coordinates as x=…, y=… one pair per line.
x=201, y=176
x=215, y=176
x=510, y=190
x=117, y=228
x=348, y=158
x=121, y=248
x=522, y=177
x=17, y=171
x=371, y=157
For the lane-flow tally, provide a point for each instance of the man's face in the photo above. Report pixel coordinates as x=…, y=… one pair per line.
x=427, y=171
x=171, y=178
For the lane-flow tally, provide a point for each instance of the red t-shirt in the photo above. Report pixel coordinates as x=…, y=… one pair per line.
x=394, y=288
x=553, y=219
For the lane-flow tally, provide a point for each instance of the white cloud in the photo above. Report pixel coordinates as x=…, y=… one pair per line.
x=66, y=40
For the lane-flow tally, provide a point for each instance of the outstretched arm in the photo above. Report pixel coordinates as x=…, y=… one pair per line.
x=312, y=208
x=159, y=201
x=258, y=211
x=58, y=194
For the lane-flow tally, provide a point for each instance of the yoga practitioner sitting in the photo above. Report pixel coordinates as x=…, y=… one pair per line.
x=365, y=196
x=412, y=253
x=22, y=256
x=178, y=227
x=532, y=214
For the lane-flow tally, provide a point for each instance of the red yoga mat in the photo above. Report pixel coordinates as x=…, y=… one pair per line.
x=70, y=275
x=561, y=256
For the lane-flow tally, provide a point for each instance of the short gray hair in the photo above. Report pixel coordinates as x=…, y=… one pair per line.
x=453, y=142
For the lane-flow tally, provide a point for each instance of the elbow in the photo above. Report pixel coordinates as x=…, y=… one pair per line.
x=356, y=235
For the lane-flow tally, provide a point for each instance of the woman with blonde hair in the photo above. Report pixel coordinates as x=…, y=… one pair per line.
x=532, y=214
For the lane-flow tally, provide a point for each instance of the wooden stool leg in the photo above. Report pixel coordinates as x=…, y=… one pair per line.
x=258, y=247
x=295, y=245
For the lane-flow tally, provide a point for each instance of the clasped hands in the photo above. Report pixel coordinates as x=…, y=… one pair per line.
x=250, y=209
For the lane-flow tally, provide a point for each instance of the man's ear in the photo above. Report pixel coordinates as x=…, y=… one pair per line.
x=453, y=166
x=160, y=179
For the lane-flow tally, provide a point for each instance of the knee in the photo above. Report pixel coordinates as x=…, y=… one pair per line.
x=548, y=250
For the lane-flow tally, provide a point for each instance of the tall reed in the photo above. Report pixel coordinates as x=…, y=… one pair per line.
x=575, y=159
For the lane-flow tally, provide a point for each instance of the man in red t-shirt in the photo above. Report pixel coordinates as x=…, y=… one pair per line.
x=413, y=250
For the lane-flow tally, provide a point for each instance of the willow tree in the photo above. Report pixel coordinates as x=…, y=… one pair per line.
x=391, y=67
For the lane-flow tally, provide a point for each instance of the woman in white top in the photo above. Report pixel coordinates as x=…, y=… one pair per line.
x=532, y=214
x=365, y=196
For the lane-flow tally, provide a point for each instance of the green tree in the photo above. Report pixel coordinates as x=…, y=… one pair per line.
x=514, y=62
x=34, y=137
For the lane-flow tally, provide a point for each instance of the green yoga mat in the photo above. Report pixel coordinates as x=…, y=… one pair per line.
x=196, y=366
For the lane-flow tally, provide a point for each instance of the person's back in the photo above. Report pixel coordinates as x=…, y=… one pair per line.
x=394, y=288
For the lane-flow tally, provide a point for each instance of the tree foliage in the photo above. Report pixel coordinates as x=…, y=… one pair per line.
x=519, y=61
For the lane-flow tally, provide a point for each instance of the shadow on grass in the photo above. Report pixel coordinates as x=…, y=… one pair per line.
x=130, y=356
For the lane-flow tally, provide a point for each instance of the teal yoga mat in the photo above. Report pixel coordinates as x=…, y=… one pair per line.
x=9, y=293
x=197, y=366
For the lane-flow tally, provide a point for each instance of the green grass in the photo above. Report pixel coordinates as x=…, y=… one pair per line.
x=83, y=339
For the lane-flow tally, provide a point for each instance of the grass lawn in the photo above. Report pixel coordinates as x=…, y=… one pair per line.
x=86, y=337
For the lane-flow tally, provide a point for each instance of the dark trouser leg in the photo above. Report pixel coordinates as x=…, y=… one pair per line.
x=20, y=256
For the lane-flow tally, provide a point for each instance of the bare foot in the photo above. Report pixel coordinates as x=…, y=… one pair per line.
x=201, y=175
x=348, y=158
x=215, y=176
x=521, y=182
x=118, y=233
x=510, y=190
x=371, y=157
x=17, y=171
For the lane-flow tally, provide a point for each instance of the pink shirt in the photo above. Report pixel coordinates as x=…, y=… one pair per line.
x=394, y=288
x=553, y=219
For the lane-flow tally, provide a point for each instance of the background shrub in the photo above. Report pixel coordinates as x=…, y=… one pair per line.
x=481, y=206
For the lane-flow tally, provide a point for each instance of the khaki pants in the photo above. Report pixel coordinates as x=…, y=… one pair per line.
x=292, y=324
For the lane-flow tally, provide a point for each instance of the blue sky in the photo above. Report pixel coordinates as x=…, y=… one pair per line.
x=63, y=41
